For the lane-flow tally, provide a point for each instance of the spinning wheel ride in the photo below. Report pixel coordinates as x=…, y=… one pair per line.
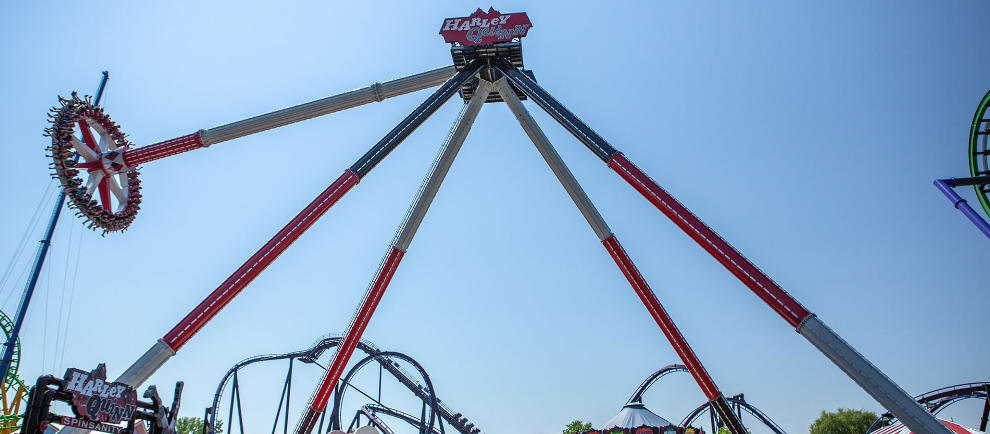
x=486, y=50
x=109, y=195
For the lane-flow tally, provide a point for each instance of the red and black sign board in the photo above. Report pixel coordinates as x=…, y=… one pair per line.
x=98, y=405
x=485, y=28
x=94, y=399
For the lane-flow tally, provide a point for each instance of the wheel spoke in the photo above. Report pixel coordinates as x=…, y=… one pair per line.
x=83, y=150
x=88, y=136
x=105, y=194
x=93, y=181
x=117, y=191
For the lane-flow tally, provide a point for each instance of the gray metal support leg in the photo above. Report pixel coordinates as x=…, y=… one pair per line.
x=391, y=260
x=330, y=104
x=431, y=184
x=867, y=376
x=605, y=235
x=874, y=382
x=553, y=159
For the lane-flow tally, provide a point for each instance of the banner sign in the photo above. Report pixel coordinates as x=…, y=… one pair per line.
x=92, y=426
x=485, y=28
x=96, y=400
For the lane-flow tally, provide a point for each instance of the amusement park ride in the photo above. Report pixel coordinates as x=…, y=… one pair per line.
x=13, y=391
x=427, y=422
x=979, y=169
x=97, y=168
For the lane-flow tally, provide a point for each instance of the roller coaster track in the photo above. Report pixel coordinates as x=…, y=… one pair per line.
x=737, y=403
x=10, y=407
x=938, y=399
x=371, y=412
x=454, y=419
x=373, y=419
x=637, y=397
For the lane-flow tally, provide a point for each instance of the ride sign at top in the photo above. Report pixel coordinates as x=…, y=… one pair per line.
x=485, y=28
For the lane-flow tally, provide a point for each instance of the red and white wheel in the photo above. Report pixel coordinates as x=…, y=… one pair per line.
x=87, y=152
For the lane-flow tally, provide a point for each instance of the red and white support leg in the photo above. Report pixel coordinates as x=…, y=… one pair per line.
x=628, y=268
x=400, y=244
x=843, y=355
x=854, y=364
x=165, y=348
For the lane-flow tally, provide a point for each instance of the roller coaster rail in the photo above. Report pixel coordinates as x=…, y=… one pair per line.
x=454, y=419
x=374, y=420
x=737, y=403
x=371, y=410
x=388, y=357
x=637, y=396
x=939, y=399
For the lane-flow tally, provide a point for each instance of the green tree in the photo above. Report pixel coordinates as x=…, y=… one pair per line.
x=723, y=430
x=194, y=425
x=843, y=421
x=577, y=426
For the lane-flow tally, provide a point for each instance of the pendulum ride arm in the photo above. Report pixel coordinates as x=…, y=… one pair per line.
x=854, y=364
x=605, y=235
x=275, y=119
x=403, y=236
x=167, y=346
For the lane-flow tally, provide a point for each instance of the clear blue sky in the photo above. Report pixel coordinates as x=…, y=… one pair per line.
x=806, y=133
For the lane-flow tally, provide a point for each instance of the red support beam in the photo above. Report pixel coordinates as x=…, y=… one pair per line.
x=354, y=332
x=229, y=289
x=779, y=300
x=178, y=145
x=660, y=315
x=104, y=189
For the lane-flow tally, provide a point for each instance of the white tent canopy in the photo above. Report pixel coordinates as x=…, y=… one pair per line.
x=635, y=416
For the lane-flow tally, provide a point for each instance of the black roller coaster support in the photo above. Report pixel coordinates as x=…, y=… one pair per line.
x=286, y=394
x=976, y=180
x=986, y=409
x=235, y=397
